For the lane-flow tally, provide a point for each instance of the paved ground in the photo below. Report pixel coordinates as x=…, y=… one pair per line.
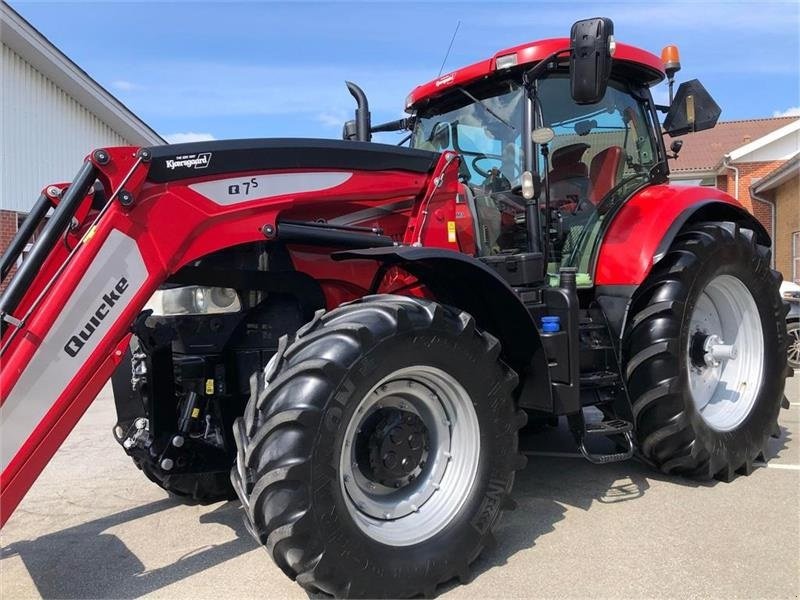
x=93, y=527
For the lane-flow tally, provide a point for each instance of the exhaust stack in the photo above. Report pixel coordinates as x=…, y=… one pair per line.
x=360, y=128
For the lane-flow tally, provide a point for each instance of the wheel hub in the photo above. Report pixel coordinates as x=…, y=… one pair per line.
x=708, y=350
x=397, y=448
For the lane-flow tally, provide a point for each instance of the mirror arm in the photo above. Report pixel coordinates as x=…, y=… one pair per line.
x=396, y=125
x=532, y=74
x=662, y=108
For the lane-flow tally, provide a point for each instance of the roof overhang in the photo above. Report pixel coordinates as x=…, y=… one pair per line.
x=21, y=37
x=742, y=151
x=777, y=177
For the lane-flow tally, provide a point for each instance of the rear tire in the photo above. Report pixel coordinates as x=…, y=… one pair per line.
x=696, y=414
x=306, y=486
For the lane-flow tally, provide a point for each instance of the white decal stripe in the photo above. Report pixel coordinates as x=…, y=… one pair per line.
x=246, y=189
x=52, y=368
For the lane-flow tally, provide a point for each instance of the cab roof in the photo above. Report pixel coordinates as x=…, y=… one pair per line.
x=640, y=65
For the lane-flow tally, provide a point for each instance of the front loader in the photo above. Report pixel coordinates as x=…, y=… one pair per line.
x=350, y=335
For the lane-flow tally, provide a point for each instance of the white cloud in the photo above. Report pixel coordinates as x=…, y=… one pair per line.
x=188, y=136
x=333, y=119
x=125, y=86
x=793, y=111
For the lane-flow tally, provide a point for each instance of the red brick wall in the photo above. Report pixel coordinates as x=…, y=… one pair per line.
x=8, y=228
x=787, y=218
x=748, y=174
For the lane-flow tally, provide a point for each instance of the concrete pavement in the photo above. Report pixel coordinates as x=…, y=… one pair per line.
x=94, y=527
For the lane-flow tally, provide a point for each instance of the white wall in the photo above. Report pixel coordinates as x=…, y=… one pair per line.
x=44, y=133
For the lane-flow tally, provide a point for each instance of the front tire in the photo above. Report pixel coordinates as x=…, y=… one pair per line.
x=705, y=352
x=191, y=488
x=379, y=455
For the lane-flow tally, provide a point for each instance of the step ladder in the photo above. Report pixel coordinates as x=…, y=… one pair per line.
x=583, y=431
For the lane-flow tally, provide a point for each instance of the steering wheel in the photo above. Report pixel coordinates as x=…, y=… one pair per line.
x=481, y=172
x=480, y=157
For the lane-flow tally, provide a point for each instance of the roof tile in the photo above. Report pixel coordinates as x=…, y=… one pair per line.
x=702, y=151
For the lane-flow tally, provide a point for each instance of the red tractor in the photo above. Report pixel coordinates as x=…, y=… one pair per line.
x=361, y=329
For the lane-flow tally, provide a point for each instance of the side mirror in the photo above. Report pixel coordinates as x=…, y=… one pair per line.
x=591, y=45
x=692, y=110
x=349, y=131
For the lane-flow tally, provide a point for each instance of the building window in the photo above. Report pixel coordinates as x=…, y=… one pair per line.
x=796, y=257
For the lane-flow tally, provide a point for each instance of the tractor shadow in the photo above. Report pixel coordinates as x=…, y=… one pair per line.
x=556, y=480
x=89, y=561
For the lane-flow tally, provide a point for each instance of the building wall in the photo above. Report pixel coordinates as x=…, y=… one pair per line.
x=44, y=133
x=749, y=173
x=44, y=136
x=787, y=217
x=8, y=227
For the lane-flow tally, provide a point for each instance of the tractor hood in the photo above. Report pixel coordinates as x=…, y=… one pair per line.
x=199, y=159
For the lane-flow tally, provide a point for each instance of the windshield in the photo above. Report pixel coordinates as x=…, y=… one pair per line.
x=600, y=154
x=483, y=124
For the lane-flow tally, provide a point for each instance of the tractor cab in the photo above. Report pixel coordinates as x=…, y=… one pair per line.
x=527, y=136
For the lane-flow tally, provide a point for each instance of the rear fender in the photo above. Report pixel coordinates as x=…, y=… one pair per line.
x=646, y=225
x=466, y=283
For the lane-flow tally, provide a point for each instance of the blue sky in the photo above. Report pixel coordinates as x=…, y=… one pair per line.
x=263, y=69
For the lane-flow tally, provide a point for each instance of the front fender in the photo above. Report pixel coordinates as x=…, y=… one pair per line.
x=466, y=283
x=645, y=226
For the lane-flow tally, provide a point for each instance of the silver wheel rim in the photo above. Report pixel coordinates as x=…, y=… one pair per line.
x=725, y=354
x=794, y=346
x=435, y=495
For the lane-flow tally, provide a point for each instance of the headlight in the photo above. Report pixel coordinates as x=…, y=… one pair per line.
x=194, y=300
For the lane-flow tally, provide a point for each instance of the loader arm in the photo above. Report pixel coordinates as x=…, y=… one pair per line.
x=67, y=312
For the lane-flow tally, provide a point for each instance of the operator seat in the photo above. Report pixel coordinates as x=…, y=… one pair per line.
x=569, y=177
x=605, y=171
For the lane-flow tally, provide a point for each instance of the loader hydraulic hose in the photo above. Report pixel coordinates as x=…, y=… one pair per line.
x=55, y=227
x=24, y=234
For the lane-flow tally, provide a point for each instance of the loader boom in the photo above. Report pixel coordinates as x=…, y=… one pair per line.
x=68, y=312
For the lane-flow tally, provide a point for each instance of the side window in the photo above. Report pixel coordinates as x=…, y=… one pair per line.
x=600, y=154
x=597, y=147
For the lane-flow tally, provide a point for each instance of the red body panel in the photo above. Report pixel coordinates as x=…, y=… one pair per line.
x=168, y=226
x=651, y=66
x=626, y=253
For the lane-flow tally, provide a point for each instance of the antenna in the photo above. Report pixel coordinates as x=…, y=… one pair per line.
x=452, y=39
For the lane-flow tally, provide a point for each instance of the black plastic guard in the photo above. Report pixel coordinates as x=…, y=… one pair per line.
x=459, y=280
